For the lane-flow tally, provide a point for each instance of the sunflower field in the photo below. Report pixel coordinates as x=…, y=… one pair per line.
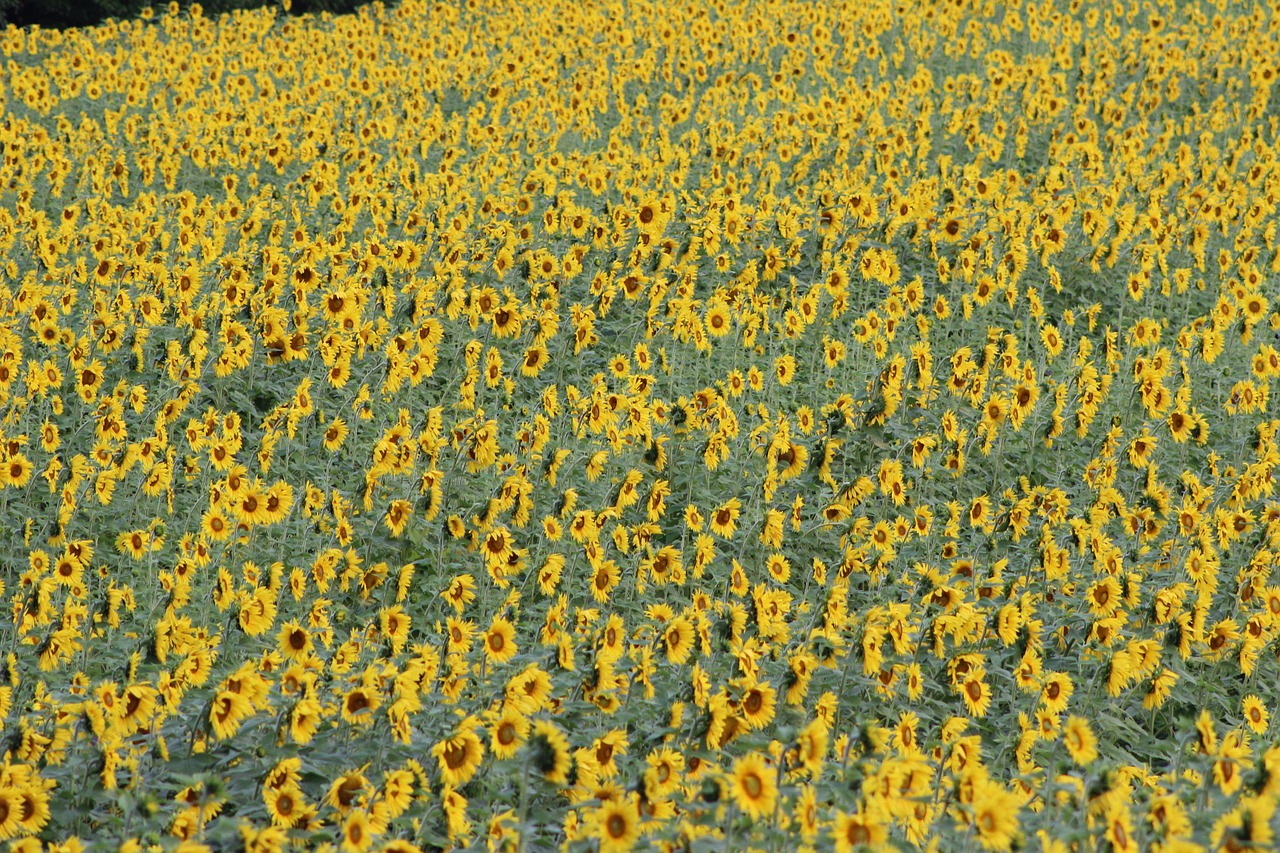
x=747, y=425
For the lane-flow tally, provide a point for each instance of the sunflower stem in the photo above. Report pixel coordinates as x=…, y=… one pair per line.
x=523, y=806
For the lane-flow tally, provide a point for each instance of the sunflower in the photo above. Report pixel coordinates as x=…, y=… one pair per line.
x=753, y=786
x=455, y=809
x=649, y=218
x=395, y=624
x=604, y=579
x=1103, y=597
x=397, y=517
x=359, y=704
x=793, y=457
x=616, y=824
x=857, y=830
x=811, y=746
x=89, y=379
x=1232, y=757
x=215, y=526
x=16, y=471
x=1056, y=691
x=1256, y=714
x=758, y=704
x=1254, y=308
x=722, y=726
x=1052, y=340
x=459, y=757
x=33, y=808
x=507, y=320
x=976, y=693
x=784, y=368
x=724, y=518
x=335, y=434
x=460, y=592
x=258, y=611
x=612, y=639
x=550, y=752
x=980, y=512
x=535, y=358
x=357, y=834
x=294, y=641
x=134, y=543
x=508, y=732
x=286, y=805
x=718, y=320
x=250, y=507
x=666, y=566
x=137, y=706
x=1080, y=740
x=677, y=638
x=397, y=791
x=304, y=720
x=662, y=773
x=228, y=711
x=995, y=815
x=605, y=751
x=1120, y=829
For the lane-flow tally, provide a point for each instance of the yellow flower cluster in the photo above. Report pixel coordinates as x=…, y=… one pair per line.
x=684, y=425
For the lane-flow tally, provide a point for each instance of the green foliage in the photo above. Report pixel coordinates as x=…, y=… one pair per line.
x=710, y=427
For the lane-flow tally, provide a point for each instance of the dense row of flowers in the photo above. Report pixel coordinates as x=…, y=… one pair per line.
x=708, y=426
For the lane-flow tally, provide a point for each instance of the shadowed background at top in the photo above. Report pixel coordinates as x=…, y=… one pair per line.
x=84, y=13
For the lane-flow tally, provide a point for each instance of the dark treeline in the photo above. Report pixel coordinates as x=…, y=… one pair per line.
x=83, y=13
